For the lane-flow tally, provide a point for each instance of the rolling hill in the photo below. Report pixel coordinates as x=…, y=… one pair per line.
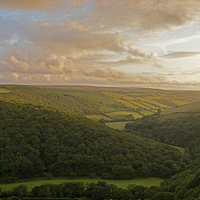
x=97, y=103
x=35, y=139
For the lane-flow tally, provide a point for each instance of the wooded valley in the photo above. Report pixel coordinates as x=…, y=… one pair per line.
x=41, y=136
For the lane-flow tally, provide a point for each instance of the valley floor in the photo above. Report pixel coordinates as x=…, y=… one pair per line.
x=147, y=182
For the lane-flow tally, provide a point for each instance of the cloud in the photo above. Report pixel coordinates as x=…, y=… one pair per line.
x=78, y=2
x=15, y=65
x=30, y=4
x=83, y=40
x=69, y=43
x=150, y=15
x=181, y=54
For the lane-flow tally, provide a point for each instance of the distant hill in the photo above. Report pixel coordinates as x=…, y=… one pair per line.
x=192, y=109
x=76, y=104
x=36, y=139
x=97, y=102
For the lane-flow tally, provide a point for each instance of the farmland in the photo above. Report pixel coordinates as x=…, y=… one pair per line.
x=189, y=110
x=107, y=103
x=123, y=114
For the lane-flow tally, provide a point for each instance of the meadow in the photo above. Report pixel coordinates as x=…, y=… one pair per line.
x=2, y=91
x=190, y=108
x=147, y=182
x=117, y=125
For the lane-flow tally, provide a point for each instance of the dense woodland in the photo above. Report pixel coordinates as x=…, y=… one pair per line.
x=72, y=103
x=35, y=139
x=184, y=132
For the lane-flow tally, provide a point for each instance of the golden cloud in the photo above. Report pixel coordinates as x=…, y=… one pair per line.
x=30, y=4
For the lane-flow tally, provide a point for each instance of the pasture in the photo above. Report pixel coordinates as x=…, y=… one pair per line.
x=117, y=125
x=3, y=91
x=191, y=108
x=147, y=182
x=146, y=112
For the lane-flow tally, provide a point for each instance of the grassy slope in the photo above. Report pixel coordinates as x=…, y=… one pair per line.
x=4, y=91
x=189, y=110
x=118, y=102
x=147, y=182
x=117, y=125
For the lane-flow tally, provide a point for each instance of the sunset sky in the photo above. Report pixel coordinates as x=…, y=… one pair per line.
x=128, y=43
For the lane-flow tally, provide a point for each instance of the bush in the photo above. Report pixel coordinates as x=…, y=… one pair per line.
x=93, y=175
x=105, y=176
x=20, y=190
x=72, y=174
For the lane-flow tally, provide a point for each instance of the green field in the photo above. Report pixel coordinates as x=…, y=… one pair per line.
x=147, y=112
x=117, y=125
x=123, y=114
x=192, y=109
x=3, y=91
x=147, y=182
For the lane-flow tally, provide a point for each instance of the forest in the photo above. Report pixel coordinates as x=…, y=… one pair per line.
x=36, y=139
x=76, y=104
x=46, y=136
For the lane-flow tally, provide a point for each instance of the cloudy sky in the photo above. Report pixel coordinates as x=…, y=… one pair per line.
x=136, y=43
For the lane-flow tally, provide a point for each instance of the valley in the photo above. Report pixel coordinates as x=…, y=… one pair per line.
x=134, y=139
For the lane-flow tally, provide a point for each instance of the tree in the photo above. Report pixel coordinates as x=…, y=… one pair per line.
x=101, y=191
x=144, y=171
x=20, y=190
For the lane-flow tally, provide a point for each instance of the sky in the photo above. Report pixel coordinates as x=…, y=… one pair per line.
x=115, y=43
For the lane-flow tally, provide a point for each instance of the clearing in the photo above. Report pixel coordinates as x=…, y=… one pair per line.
x=117, y=125
x=147, y=182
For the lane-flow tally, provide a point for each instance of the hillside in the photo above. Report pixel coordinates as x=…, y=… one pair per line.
x=97, y=103
x=36, y=139
x=180, y=127
x=189, y=110
x=183, y=132
x=72, y=103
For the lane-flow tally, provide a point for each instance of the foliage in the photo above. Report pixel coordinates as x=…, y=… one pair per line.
x=183, y=133
x=77, y=104
x=35, y=139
